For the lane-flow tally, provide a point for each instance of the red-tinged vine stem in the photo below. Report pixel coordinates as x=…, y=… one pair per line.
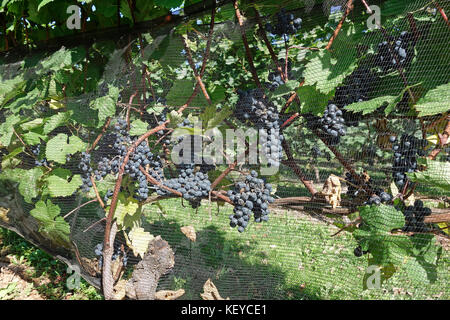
x=346, y=165
x=349, y=8
x=231, y=166
x=130, y=102
x=268, y=45
x=247, y=48
x=205, y=57
x=293, y=97
x=94, y=224
x=96, y=141
x=369, y=11
x=291, y=163
x=79, y=207
x=194, y=69
x=290, y=120
x=106, y=272
x=159, y=184
x=442, y=12
x=99, y=199
x=223, y=174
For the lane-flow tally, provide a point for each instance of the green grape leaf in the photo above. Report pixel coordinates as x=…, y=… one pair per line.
x=431, y=72
x=34, y=137
x=107, y=183
x=180, y=92
x=51, y=223
x=43, y=3
x=382, y=218
x=7, y=129
x=286, y=88
x=58, y=148
x=58, y=184
x=436, y=174
x=325, y=71
x=27, y=179
x=106, y=107
x=369, y=106
x=312, y=100
x=434, y=101
x=138, y=127
x=32, y=124
x=218, y=117
x=56, y=121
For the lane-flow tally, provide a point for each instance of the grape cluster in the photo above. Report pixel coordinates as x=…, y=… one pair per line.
x=286, y=24
x=403, y=50
x=316, y=152
x=192, y=182
x=275, y=76
x=116, y=146
x=251, y=196
x=405, y=156
x=356, y=88
x=333, y=124
x=117, y=253
x=354, y=190
x=36, y=150
x=358, y=252
x=414, y=217
x=254, y=108
x=86, y=170
x=141, y=157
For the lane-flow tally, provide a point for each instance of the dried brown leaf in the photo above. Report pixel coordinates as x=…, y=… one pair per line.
x=189, y=232
x=332, y=191
x=168, y=294
x=210, y=292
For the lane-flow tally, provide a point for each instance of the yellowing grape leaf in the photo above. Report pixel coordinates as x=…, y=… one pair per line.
x=139, y=240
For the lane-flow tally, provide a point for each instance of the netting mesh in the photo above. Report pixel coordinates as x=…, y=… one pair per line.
x=296, y=254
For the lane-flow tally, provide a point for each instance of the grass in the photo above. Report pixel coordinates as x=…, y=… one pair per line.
x=47, y=274
x=293, y=256
x=290, y=257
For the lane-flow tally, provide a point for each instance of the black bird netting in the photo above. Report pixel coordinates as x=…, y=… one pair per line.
x=280, y=150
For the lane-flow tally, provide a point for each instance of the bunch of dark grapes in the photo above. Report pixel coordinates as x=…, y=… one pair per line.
x=192, y=182
x=286, y=24
x=254, y=108
x=355, y=190
x=331, y=123
x=157, y=99
x=406, y=152
x=86, y=170
x=356, y=88
x=36, y=150
x=117, y=253
x=275, y=76
x=116, y=146
x=358, y=252
x=316, y=152
x=396, y=52
x=414, y=217
x=251, y=196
